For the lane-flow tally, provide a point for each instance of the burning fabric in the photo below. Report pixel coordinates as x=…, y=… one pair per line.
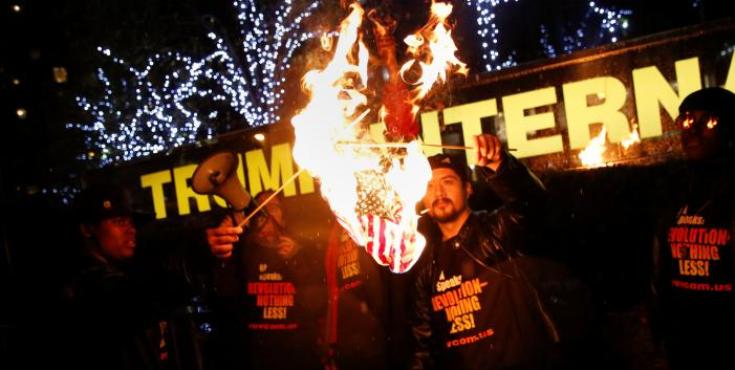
x=372, y=188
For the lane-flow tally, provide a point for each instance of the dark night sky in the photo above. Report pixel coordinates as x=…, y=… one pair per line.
x=38, y=150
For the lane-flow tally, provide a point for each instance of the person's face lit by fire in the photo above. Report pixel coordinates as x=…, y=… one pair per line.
x=268, y=227
x=446, y=195
x=115, y=238
x=700, y=134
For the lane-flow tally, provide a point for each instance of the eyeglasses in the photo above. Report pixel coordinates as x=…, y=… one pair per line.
x=688, y=120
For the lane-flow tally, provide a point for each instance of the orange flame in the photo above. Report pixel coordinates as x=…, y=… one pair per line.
x=633, y=138
x=432, y=49
x=591, y=156
x=359, y=181
x=354, y=180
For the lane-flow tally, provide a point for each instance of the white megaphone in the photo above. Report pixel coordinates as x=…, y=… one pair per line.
x=216, y=175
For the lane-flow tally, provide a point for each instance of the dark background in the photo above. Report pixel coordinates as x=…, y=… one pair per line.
x=38, y=154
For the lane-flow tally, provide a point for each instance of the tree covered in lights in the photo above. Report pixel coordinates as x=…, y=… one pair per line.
x=599, y=25
x=489, y=35
x=173, y=98
x=169, y=99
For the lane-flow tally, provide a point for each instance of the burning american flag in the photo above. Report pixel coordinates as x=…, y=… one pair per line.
x=371, y=188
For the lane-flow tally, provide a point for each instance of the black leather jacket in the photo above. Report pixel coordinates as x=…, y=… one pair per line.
x=464, y=318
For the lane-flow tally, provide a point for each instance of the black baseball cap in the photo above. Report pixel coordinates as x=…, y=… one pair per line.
x=101, y=202
x=454, y=163
x=712, y=99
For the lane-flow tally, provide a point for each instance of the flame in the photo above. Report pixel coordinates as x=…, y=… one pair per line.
x=633, y=138
x=357, y=180
x=432, y=49
x=591, y=156
x=326, y=42
x=354, y=180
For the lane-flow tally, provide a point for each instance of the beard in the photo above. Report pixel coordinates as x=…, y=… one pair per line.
x=448, y=213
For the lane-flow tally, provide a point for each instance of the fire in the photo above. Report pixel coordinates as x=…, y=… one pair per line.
x=433, y=50
x=591, y=156
x=371, y=191
x=633, y=138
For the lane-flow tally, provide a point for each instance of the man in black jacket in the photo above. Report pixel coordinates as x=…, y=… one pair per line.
x=475, y=309
x=119, y=315
x=694, y=252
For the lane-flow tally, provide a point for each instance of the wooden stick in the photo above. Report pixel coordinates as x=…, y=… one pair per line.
x=403, y=145
x=261, y=205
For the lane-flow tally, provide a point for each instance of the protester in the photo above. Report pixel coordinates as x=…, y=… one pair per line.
x=272, y=292
x=357, y=311
x=694, y=266
x=475, y=307
x=118, y=316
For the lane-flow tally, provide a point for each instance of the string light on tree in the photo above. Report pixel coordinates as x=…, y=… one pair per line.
x=489, y=33
x=612, y=22
x=727, y=50
x=175, y=99
x=546, y=43
x=64, y=193
x=268, y=51
x=600, y=25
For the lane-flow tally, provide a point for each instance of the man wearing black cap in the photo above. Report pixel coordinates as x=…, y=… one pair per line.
x=113, y=316
x=474, y=309
x=694, y=252
x=106, y=223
